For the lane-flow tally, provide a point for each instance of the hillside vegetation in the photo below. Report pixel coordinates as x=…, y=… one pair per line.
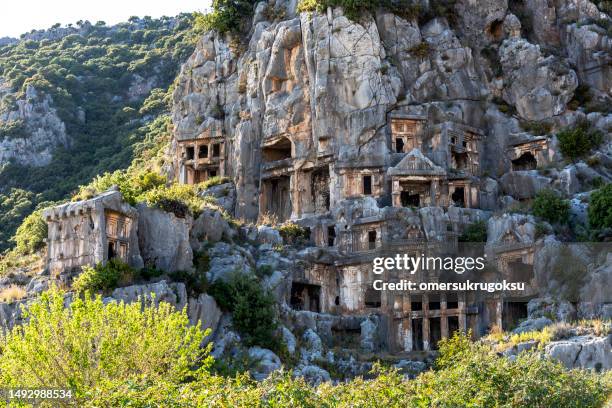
x=164, y=366
x=109, y=86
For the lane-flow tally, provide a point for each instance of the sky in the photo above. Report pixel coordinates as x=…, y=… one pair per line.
x=21, y=16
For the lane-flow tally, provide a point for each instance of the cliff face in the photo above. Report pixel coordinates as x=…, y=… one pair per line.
x=40, y=130
x=330, y=86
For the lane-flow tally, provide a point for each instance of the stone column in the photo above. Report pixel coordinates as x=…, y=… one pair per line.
x=499, y=309
x=443, y=317
x=433, y=190
x=407, y=323
x=462, y=313
x=426, y=334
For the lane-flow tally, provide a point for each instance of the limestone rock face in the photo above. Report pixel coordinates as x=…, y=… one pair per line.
x=510, y=228
x=42, y=129
x=524, y=184
x=586, y=352
x=204, y=310
x=164, y=239
x=226, y=259
x=265, y=362
x=538, y=86
x=210, y=226
x=173, y=293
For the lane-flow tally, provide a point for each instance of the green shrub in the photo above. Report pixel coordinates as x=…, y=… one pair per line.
x=31, y=234
x=131, y=185
x=252, y=307
x=104, y=277
x=228, y=15
x=600, y=208
x=13, y=130
x=549, y=206
x=475, y=232
x=471, y=374
x=214, y=181
x=292, y=233
x=90, y=345
x=420, y=50
x=536, y=128
x=578, y=141
x=179, y=199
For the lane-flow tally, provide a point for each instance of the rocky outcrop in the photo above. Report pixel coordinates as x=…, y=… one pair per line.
x=538, y=86
x=37, y=129
x=586, y=352
x=172, y=293
x=204, y=310
x=264, y=361
x=164, y=240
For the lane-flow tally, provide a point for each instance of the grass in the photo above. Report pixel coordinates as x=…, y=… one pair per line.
x=31, y=263
x=12, y=293
x=554, y=332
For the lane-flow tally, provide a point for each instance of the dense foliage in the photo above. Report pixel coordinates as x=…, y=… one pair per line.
x=408, y=9
x=600, y=208
x=31, y=233
x=90, y=346
x=253, y=308
x=549, y=206
x=475, y=232
x=164, y=366
x=228, y=15
x=104, y=277
x=92, y=76
x=577, y=141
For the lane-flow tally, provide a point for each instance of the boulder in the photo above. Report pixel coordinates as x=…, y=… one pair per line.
x=204, y=310
x=312, y=347
x=225, y=260
x=524, y=184
x=268, y=235
x=164, y=240
x=162, y=291
x=210, y=226
x=312, y=374
x=264, y=363
x=224, y=195
x=289, y=340
x=585, y=352
x=538, y=86
x=369, y=334
x=529, y=325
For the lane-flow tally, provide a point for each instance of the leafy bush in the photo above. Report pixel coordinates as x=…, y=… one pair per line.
x=475, y=232
x=578, y=141
x=353, y=9
x=228, y=15
x=292, y=233
x=90, y=345
x=600, y=208
x=31, y=234
x=549, y=206
x=12, y=130
x=214, y=181
x=104, y=277
x=180, y=199
x=536, y=128
x=132, y=185
x=252, y=307
x=471, y=374
x=421, y=50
